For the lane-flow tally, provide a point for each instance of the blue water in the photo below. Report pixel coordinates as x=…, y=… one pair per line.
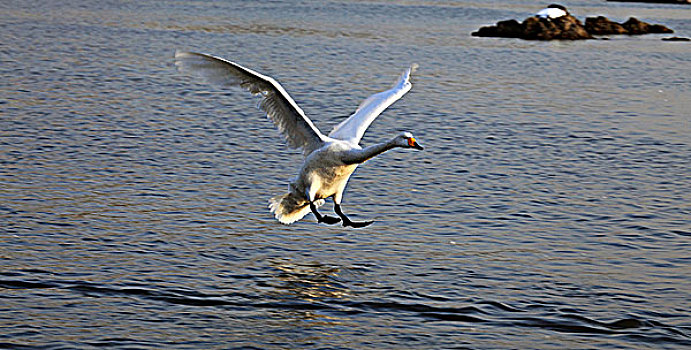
x=550, y=208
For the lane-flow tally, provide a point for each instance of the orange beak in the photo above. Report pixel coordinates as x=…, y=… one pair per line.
x=413, y=143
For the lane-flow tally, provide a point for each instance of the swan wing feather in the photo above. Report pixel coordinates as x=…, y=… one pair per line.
x=288, y=117
x=353, y=128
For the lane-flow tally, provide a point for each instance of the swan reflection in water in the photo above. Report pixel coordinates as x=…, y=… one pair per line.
x=310, y=282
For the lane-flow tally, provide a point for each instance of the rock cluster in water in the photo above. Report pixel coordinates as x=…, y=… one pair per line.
x=567, y=27
x=535, y=28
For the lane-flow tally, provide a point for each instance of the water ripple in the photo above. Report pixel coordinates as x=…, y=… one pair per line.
x=428, y=309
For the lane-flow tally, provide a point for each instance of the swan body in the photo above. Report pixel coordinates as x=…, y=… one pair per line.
x=552, y=11
x=329, y=160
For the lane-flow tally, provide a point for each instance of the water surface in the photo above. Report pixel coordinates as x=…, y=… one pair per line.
x=550, y=208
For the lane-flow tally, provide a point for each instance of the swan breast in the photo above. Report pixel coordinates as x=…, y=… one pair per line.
x=325, y=170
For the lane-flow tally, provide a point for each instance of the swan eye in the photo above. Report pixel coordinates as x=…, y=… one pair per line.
x=411, y=141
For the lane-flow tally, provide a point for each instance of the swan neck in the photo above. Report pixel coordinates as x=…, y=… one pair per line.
x=372, y=151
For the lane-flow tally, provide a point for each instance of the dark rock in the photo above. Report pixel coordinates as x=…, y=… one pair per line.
x=634, y=26
x=676, y=38
x=503, y=29
x=637, y=27
x=571, y=28
x=601, y=25
x=659, y=29
x=538, y=29
x=562, y=28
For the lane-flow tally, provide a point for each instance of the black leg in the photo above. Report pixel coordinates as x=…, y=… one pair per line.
x=347, y=222
x=323, y=218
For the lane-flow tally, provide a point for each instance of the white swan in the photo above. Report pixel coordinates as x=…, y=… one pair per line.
x=329, y=160
x=552, y=11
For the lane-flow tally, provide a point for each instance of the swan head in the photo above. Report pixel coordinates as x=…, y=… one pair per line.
x=406, y=140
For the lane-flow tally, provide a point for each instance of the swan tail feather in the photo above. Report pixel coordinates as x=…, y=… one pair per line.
x=289, y=207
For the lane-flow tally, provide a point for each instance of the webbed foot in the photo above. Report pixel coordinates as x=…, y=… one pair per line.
x=357, y=224
x=329, y=220
x=347, y=222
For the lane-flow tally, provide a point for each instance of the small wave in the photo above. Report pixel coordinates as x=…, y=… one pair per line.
x=437, y=309
x=26, y=285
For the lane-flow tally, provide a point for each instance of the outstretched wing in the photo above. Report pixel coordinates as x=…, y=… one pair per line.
x=355, y=126
x=278, y=105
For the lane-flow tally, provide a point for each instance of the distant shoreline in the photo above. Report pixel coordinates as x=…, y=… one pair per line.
x=688, y=2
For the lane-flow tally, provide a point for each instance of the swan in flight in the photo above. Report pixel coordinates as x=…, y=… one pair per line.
x=329, y=159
